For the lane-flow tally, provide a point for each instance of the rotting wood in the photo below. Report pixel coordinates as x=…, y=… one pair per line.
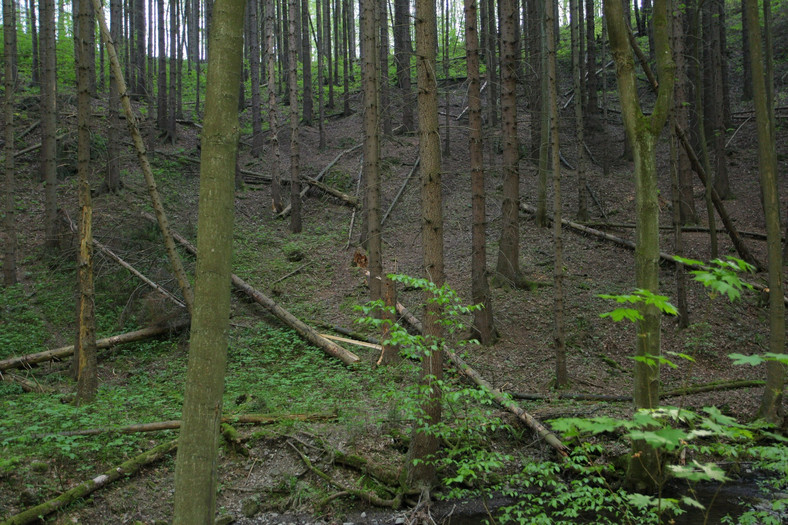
x=631, y=245
x=112, y=255
x=37, y=146
x=344, y=197
x=368, y=496
x=712, y=387
x=691, y=229
x=304, y=330
x=284, y=213
x=290, y=274
x=85, y=488
x=131, y=121
x=175, y=424
x=59, y=353
x=531, y=396
x=402, y=189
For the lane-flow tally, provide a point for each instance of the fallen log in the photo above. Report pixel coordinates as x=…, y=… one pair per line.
x=352, y=341
x=112, y=255
x=59, y=353
x=284, y=213
x=691, y=229
x=26, y=384
x=402, y=189
x=344, y=197
x=500, y=398
x=85, y=488
x=678, y=392
x=174, y=424
x=550, y=438
x=329, y=347
x=631, y=245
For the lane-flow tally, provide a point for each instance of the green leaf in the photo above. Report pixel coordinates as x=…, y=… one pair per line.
x=752, y=360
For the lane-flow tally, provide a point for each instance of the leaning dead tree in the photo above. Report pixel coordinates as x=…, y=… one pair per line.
x=139, y=146
x=304, y=330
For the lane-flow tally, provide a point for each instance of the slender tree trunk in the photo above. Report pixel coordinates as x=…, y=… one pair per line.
x=254, y=71
x=306, y=50
x=142, y=86
x=447, y=93
x=345, y=58
x=424, y=444
x=575, y=10
x=559, y=338
x=644, y=471
x=273, y=118
x=173, y=89
x=402, y=49
x=112, y=181
x=9, y=205
x=592, y=99
x=508, y=266
x=771, y=407
x=746, y=85
x=35, y=74
x=544, y=124
x=483, y=323
x=371, y=167
x=295, y=182
x=321, y=40
x=383, y=68
x=49, y=122
x=685, y=197
x=492, y=65
x=195, y=468
x=161, y=104
x=327, y=51
x=85, y=359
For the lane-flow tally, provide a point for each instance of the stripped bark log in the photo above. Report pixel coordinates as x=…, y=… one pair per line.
x=88, y=487
x=284, y=213
x=59, y=353
x=329, y=347
x=112, y=255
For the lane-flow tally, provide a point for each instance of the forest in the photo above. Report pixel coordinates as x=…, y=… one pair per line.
x=394, y=262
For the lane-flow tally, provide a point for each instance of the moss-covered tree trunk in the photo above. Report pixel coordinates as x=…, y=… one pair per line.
x=195, y=469
x=772, y=402
x=643, y=132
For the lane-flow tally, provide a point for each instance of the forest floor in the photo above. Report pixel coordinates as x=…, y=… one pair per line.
x=272, y=371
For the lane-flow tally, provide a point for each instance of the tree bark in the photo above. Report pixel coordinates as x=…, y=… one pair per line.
x=273, y=118
x=49, y=122
x=195, y=468
x=295, y=183
x=422, y=474
x=254, y=73
x=9, y=204
x=306, y=64
x=161, y=87
x=771, y=407
x=483, y=322
x=402, y=51
x=643, y=473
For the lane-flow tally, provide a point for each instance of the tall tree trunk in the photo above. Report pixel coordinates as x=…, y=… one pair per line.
x=559, y=338
x=575, y=10
x=85, y=363
x=424, y=444
x=327, y=51
x=771, y=407
x=321, y=40
x=402, y=49
x=142, y=86
x=492, y=65
x=447, y=91
x=35, y=74
x=346, y=58
x=273, y=118
x=306, y=51
x=173, y=90
x=644, y=469
x=161, y=104
x=383, y=60
x=295, y=182
x=685, y=197
x=746, y=85
x=592, y=99
x=508, y=267
x=254, y=71
x=9, y=206
x=371, y=167
x=533, y=80
x=49, y=122
x=483, y=323
x=112, y=181
x=195, y=467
